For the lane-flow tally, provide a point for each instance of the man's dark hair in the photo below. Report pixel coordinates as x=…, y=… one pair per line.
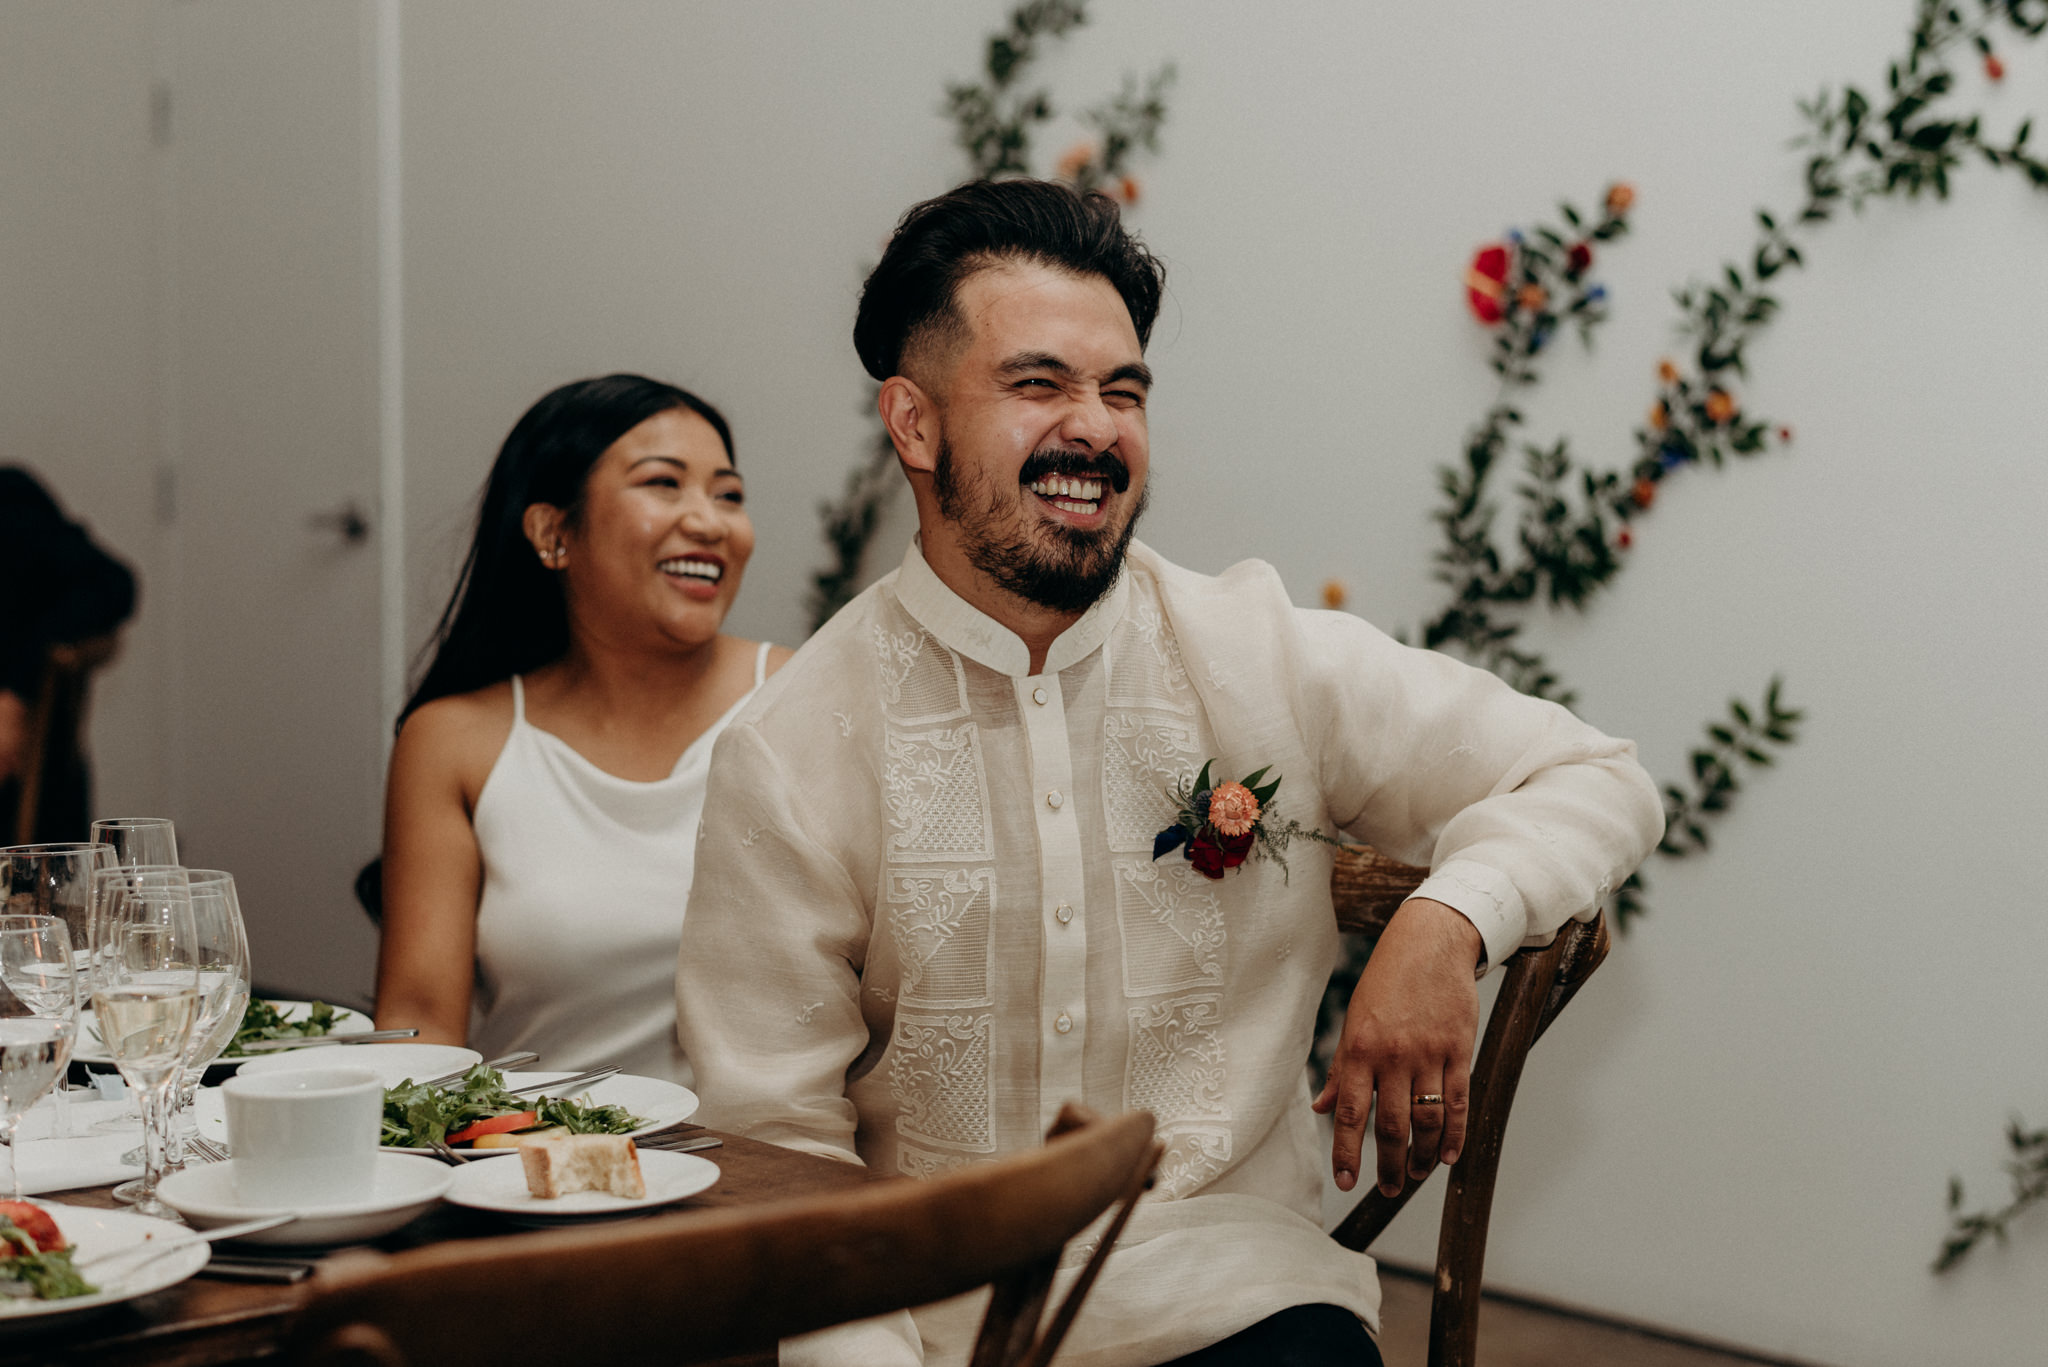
x=942, y=241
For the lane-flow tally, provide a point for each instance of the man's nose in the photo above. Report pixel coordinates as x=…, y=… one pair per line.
x=1089, y=423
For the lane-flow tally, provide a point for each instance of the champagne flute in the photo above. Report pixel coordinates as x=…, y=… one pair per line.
x=38, y=1018
x=147, y=999
x=56, y=880
x=138, y=840
x=223, y=950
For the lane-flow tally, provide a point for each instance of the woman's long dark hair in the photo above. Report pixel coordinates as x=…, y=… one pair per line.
x=507, y=614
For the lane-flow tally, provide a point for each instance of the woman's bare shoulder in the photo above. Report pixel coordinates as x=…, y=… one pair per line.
x=459, y=735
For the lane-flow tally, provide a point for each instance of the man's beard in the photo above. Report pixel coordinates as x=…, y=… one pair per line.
x=1064, y=568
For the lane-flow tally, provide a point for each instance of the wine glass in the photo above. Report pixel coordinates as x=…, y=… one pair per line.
x=56, y=880
x=223, y=949
x=138, y=840
x=146, y=998
x=38, y=1018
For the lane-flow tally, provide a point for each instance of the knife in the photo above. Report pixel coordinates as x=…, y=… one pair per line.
x=158, y=1247
x=265, y=1046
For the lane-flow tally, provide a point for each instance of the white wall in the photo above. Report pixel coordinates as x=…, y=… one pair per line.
x=78, y=301
x=1744, y=1126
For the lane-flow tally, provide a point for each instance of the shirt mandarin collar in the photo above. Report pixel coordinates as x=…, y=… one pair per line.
x=962, y=627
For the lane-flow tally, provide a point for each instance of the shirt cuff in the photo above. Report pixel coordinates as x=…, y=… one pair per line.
x=1487, y=899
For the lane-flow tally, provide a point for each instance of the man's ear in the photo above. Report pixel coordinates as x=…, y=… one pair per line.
x=913, y=422
x=543, y=524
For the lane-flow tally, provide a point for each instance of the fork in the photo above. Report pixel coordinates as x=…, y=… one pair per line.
x=579, y=1080
x=508, y=1061
x=207, y=1149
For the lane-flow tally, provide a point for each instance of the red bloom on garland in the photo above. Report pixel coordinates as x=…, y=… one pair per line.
x=1624, y=538
x=1644, y=493
x=1577, y=259
x=1784, y=434
x=1212, y=854
x=1994, y=68
x=1486, y=282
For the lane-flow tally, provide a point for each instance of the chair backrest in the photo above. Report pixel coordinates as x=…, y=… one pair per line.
x=1367, y=888
x=693, y=1287
x=56, y=716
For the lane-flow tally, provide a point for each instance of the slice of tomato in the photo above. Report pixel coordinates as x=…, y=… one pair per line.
x=497, y=1124
x=33, y=1221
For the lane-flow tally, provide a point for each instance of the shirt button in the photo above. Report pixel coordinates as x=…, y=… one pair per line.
x=1063, y=1022
x=1063, y=913
x=1038, y=696
x=1053, y=799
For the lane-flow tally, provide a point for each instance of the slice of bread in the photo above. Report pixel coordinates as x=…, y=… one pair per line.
x=558, y=1164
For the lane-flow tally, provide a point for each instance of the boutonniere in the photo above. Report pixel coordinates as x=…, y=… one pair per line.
x=1219, y=828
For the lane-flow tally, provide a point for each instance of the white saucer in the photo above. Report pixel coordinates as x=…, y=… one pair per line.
x=97, y=1237
x=405, y=1188
x=501, y=1188
x=392, y=1063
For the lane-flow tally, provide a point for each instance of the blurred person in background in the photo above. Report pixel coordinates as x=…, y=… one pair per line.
x=57, y=588
x=541, y=818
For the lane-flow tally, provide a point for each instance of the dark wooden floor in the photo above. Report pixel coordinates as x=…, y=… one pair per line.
x=1514, y=1334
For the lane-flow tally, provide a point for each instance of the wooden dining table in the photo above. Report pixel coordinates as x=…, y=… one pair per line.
x=210, y=1321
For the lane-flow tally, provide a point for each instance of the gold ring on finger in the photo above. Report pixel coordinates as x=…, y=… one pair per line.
x=1427, y=1099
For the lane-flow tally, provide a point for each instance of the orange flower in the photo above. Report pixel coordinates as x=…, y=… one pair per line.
x=1667, y=372
x=1233, y=809
x=1645, y=493
x=1620, y=196
x=1335, y=595
x=1076, y=160
x=1720, y=406
x=1127, y=189
x=1994, y=68
x=1532, y=297
x=1659, y=419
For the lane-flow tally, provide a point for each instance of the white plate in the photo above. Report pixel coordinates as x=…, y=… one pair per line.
x=657, y=1102
x=405, y=1188
x=94, y=1234
x=91, y=1049
x=501, y=1187
x=392, y=1063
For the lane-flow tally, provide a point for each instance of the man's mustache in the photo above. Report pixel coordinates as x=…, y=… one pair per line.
x=1051, y=461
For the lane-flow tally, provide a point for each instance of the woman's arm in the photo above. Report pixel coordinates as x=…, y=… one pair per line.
x=433, y=872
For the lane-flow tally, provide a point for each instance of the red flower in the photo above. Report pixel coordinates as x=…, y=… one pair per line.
x=1644, y=493
x=1784, y=434
x=1127, y=189
x=1577, y=259
x=1212, y=853
x=1994, y=68
x=1624, y=538
x=1485, y=282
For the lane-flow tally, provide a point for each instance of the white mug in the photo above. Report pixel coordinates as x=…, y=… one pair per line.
x=304, y=1138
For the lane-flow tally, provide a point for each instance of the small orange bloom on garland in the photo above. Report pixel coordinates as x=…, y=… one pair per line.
x=1219, y=828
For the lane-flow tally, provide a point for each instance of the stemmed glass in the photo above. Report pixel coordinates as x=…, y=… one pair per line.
x=147, y=998
x=38, y=1018
x=223, y=950
x=138, y=840
x=56, y=880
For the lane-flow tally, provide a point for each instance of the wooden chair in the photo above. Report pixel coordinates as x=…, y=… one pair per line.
x=699, y=1287
x=1367, y=888
x=56, y=716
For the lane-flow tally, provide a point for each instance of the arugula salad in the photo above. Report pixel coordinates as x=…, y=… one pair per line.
x=477, y=1107
x=264, y=1021
x=35, y=1262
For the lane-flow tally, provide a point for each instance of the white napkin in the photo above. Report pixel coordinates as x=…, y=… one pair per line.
x=87, y=1159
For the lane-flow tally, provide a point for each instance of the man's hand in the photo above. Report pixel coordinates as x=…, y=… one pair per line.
x=1408, y=1033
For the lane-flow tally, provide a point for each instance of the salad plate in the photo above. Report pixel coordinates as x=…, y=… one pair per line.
x=96, y=1236
x=405, y=1188
x=392, y=1063
x=501, y=1189
x=92, y=1049
x=657, y=1102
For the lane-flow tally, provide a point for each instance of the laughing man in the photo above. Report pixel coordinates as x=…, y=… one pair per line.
x=927, y=909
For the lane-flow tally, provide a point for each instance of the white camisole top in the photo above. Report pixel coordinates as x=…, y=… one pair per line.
x=586, y=877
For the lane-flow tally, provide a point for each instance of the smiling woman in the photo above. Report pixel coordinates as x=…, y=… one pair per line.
x=540, y=825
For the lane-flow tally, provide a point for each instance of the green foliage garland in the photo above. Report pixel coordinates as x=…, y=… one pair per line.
x=993, y=122
x=2028, y=1168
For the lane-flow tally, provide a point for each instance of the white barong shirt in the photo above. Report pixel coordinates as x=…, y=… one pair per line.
x=926, y=910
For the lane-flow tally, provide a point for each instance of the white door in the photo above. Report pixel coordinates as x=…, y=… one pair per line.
x=271, y=416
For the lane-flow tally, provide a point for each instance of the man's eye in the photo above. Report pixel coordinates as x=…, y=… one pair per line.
x=1129, y=398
